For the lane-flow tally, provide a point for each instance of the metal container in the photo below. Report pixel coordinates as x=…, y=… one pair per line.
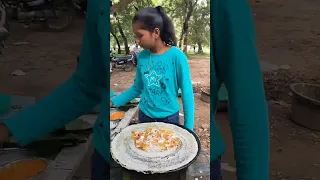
x=222, y=97
x=205, y=95
x=306, y=105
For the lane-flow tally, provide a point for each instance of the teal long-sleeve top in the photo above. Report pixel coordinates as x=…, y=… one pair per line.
x=158, y=78
x=234, y=62
x=80, y=93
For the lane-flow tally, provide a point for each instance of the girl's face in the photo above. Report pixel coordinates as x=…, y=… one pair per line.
x=145, y=38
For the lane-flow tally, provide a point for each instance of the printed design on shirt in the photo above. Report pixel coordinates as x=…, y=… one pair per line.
x=161, y=67
x=156, y=80
x=153, y=79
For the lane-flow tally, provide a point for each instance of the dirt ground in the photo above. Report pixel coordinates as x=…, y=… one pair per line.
x=288, y=33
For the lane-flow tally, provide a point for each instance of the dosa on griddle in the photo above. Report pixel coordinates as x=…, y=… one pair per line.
x=124, y=151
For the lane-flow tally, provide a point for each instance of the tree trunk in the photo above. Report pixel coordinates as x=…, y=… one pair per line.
x=182, y=36
x=180, y=40
x=186, y=5
x=113, y=33
x=118, y=43
x=185, y=42
x=185, y=27
x=200, y=50
x=125, y=40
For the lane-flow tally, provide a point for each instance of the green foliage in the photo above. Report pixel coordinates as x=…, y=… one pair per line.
x=199, y=29
x=200, y=25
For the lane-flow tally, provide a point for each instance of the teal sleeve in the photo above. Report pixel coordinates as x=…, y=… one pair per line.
x=238, y=67
x=72, y=99
x=184, y=82
x=131, y=93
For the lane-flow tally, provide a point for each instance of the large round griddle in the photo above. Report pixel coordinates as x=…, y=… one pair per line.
x=160, y=172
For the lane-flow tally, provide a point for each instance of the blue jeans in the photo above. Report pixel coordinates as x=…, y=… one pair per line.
x=215, y=170
x=100, y=169
x=175, y=119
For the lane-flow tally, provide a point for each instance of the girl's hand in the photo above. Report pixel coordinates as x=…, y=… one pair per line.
x=111, y=104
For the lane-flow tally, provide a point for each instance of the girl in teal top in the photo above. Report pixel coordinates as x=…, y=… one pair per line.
x=162, y=69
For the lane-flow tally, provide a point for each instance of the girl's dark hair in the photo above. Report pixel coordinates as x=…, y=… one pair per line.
x=152, y=18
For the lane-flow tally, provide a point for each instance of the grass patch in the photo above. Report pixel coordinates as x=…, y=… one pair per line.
x=193, y=55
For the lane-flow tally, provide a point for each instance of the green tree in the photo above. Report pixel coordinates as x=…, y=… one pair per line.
x=190, y=17
x=190, y=5
x=200, y=26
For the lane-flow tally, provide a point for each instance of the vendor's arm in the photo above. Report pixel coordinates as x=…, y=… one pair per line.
x=185, y=84
x=76, y=96
x=131, y=93
x=238, y=67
